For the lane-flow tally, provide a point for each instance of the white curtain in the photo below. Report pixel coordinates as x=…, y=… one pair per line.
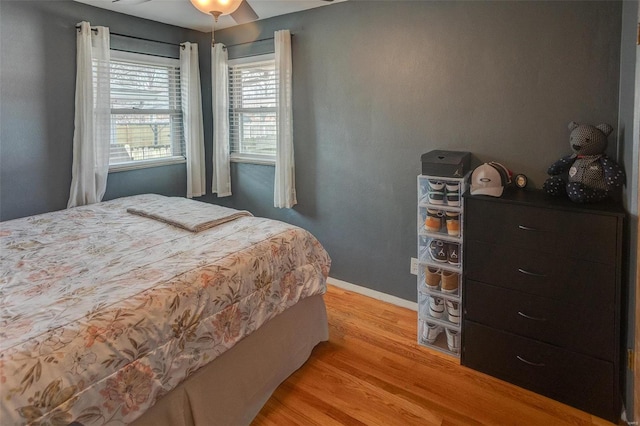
x=91, y=135
x=192, y=119
x=221, y=182
x=284, y=185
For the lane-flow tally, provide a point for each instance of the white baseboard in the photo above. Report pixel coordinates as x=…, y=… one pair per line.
x=373, y=293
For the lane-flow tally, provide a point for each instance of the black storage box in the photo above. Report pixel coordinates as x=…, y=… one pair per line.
x=446, y=163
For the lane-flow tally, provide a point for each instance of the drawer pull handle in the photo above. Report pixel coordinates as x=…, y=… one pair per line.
x=535, y=364
x=533, y=274
x=527, y=228
x=530, y=317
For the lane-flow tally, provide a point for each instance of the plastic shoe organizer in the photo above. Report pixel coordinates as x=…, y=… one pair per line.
x=440, y=219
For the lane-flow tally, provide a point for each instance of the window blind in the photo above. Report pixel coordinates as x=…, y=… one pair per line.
x=146, y=111
x=252, y=113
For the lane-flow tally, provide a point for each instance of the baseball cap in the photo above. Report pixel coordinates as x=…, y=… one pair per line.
x=489, y=179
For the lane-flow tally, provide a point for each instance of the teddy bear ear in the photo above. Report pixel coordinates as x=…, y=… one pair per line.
x=606, y=129
x=573, y=125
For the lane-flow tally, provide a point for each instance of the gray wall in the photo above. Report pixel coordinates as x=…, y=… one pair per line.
x=628, y=156
x=376, y=84
x=37, y=86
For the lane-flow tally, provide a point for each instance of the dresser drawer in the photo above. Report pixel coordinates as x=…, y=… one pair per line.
x=584, y=236
x=556, y=277
x=582, y=329
x=578, y=380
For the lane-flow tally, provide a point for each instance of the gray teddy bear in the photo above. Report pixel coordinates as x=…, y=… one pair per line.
x=588, y=175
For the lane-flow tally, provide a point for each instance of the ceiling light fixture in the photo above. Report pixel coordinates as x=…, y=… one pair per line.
x=216, y=7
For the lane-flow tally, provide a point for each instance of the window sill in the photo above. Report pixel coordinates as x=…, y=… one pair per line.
x=251, y=159
x=144, y=164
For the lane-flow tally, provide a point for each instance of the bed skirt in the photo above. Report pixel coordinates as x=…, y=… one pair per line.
x=233, y=388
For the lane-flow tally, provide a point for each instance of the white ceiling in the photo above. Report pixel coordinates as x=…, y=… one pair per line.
x=183, y=14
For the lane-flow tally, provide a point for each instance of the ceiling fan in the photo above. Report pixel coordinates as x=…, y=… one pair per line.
x=240, y=10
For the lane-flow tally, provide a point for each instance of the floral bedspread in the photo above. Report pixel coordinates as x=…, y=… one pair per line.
x=102, y=312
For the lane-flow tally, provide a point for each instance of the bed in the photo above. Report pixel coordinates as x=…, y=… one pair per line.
x=138, y=311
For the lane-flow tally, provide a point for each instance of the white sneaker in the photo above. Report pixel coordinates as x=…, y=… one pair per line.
x=436, y=307
x=453, y=311
x=430, y=332
x=453, y=340
x=453, y=193
x=436, y=194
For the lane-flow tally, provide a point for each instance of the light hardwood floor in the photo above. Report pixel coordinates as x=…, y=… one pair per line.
x=372, y=372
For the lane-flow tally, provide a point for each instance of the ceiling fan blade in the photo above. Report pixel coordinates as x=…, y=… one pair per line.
x=244, y=13
x=129, y=2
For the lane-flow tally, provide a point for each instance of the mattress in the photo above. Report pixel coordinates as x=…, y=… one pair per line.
x=102, y=312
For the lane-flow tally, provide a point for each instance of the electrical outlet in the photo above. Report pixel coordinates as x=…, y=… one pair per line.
x=414, y=266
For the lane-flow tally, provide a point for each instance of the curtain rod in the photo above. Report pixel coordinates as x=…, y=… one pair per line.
x=137, y=38
x=148, y=54
x=253, y=41
x=175, y=44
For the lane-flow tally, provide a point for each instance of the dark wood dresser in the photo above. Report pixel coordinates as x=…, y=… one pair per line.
x=541, y=296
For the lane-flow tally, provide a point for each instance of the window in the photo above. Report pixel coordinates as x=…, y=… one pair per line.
x=253, y=86
x=146, y=112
